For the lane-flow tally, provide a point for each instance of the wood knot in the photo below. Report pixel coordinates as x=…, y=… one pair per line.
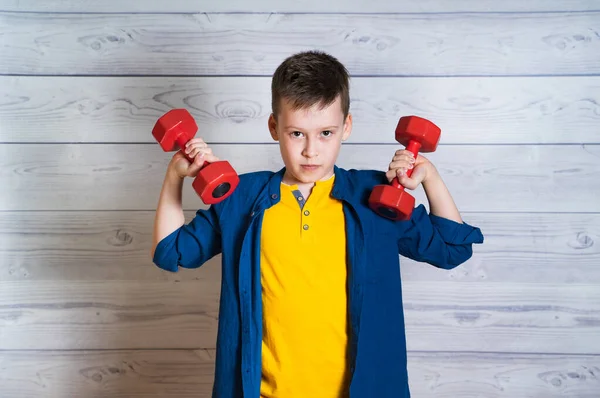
x=100, y=374
x=582, y=241
x=467, y=317
x=98, y=43
x=88, y=106
x=238, y=111
x=121, y=238
x=566, y=43
x=553, y=378
x=11, y=316
x=92, y=373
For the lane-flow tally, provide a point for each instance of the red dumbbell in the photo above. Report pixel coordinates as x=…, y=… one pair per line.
x=215, y=181
x=392, y=201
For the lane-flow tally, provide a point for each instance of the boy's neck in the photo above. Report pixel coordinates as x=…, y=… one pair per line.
x=304, y=187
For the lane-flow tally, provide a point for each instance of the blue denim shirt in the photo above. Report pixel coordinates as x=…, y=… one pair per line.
x=377, y=345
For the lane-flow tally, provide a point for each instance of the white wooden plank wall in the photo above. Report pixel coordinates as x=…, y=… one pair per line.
x=515, y=86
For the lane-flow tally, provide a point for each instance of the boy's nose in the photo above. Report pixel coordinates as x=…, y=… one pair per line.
x=310, y=153
x=310, y=150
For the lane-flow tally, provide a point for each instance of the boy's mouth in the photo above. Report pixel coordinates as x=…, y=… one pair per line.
x=310, y=166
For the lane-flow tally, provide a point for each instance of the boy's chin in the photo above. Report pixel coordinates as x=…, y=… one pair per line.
x=310, y=175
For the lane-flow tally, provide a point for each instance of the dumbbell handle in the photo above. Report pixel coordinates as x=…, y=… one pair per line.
x=413, y=147
x=181, y=141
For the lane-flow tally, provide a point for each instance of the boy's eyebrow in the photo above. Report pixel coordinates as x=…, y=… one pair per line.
x=321, y=128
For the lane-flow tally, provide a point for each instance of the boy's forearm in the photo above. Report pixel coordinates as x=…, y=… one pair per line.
x=169, y=212
x=441, y=203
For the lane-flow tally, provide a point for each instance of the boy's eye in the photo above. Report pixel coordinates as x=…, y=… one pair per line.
x=296, y=133
x=327, y=133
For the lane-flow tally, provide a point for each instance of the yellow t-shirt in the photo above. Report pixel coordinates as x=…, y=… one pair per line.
x=303, y=275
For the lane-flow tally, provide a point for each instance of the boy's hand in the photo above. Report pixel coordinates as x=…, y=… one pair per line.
x=197, y=150
x=403, y=161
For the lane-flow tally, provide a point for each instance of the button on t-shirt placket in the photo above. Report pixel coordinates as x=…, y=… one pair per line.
x=302, y=202
x=305, y=225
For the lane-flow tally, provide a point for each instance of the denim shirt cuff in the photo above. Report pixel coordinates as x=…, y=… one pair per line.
x=163, y=257
x=456, y=233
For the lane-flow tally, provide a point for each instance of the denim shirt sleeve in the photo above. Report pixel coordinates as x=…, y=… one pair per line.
x=192, y=244
x=436, y=240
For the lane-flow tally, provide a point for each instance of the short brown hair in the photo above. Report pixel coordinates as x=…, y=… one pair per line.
x=308, y=78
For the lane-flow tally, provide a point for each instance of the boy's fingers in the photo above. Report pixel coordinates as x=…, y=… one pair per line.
x=196, y=146
x=391, y=174
x=200, y=151
x=211, y=158
x=407, y=182
x=404, y=152
x=199, y=161
x=404, y=158
x=194, y=141
x=197, y=150
x=205, y=157
x=401, y=165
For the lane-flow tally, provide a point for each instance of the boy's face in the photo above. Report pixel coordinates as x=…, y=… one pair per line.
x=310, y=140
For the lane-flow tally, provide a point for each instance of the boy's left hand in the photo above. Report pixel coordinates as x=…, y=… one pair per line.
x=403, y=161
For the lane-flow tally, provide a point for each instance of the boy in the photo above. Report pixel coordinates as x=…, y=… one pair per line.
x=311, y=302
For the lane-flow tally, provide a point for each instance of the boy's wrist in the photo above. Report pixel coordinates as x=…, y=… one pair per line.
x=172, y=174
x=431, y=175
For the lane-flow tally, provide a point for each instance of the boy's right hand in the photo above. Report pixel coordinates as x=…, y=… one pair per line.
x=197, y=150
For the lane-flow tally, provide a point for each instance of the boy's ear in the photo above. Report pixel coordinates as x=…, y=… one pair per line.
x=347, y=127
x=273, y=127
